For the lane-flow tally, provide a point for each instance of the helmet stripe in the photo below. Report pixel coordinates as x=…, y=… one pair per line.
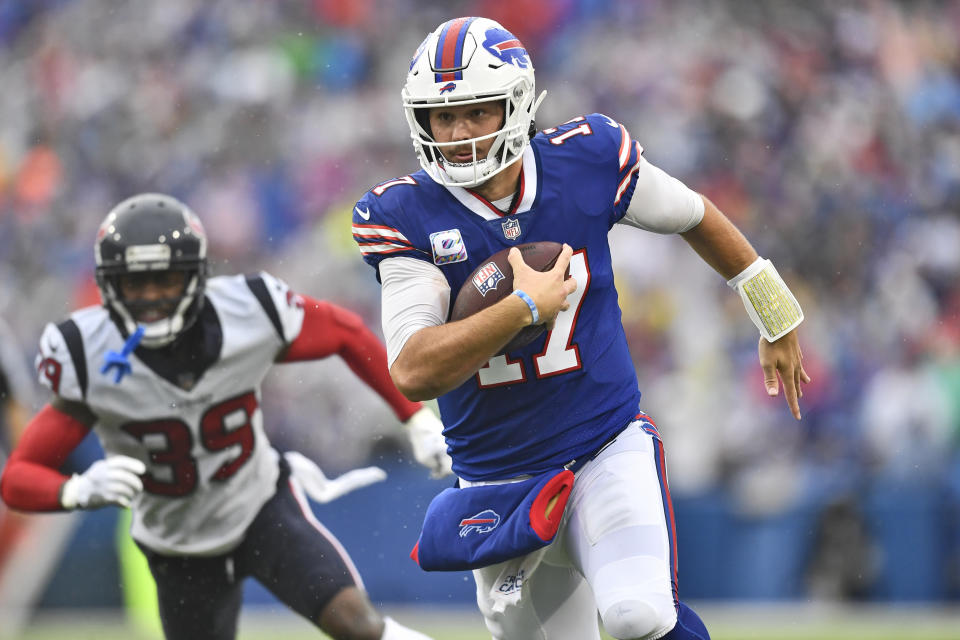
x=450, y=49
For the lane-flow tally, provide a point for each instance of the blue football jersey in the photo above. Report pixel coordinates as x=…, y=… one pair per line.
x=562, y=396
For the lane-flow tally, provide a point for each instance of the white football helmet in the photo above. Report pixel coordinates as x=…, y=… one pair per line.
x=465, y=61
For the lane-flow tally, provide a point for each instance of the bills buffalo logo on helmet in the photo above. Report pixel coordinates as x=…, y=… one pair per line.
x=484, y=522
x=505, y=46
x=450, y=86
x=487, y=278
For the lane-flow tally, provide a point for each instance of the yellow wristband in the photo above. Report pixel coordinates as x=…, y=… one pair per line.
x=767, y=299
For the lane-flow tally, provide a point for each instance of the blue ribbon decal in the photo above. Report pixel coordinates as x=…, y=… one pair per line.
x=121, y=361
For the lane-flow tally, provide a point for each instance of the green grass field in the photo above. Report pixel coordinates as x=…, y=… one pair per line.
x=726, y=623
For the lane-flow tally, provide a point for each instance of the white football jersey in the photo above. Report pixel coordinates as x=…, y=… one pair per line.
x=209, y=464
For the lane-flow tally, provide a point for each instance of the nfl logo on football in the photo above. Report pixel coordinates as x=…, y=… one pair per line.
x=511, y=229
x=487, y=278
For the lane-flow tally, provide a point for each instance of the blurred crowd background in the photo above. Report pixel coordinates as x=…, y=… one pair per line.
x=829, y=132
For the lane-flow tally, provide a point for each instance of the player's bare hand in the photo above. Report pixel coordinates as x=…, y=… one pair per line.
x=784, y=358
x=548, y=289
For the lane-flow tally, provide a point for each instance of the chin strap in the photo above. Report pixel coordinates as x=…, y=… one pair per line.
x=121, y=361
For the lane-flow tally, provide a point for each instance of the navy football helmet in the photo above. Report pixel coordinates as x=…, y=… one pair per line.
x=152, y=232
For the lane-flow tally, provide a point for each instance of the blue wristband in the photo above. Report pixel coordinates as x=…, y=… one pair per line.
x=530, y=303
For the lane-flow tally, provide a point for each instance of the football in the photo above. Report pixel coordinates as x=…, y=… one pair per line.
x=492, y=281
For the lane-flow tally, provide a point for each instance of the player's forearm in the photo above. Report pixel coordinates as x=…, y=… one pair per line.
x=367, y=358
x=31, y=480
x=28, y=486
x=436, y=360
x=720, y=243
x=329, y=329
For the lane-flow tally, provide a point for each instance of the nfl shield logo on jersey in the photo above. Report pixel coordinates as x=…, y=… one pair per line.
x=487, y=278
x=448, y=247
x=511, y=229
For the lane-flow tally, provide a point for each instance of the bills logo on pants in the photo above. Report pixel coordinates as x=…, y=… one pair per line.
x=484, y=522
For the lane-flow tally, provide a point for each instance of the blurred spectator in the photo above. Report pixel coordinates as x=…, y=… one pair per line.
x=16, y=389
x=844, y=560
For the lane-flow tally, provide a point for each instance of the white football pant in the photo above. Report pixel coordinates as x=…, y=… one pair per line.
x=613, y=555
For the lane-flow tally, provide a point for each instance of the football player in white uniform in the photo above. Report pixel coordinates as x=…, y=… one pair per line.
x=168, y=373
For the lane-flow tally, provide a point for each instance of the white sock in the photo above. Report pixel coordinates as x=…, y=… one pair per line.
x=393, y=630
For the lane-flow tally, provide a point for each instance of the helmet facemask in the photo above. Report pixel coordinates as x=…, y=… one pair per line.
x=182, y=310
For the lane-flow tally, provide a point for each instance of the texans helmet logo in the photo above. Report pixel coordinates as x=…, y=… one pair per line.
x=506, y=47
x=484, y=522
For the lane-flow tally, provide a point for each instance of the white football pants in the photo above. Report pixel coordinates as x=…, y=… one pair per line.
x=614, y=555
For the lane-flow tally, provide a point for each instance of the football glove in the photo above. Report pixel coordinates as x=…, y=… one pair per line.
x=114, y=480
x=429, y=446
x=319, y=487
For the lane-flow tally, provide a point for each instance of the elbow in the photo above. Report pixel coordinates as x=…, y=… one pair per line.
x=417, y=395
x=412, y=385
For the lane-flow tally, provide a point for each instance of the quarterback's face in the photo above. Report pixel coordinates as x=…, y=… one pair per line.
x=452, y=123
x=152, y=295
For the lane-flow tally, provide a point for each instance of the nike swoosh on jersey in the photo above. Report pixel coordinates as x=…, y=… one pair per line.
x=363, y=213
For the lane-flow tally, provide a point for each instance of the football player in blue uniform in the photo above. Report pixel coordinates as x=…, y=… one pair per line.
x=489, y=181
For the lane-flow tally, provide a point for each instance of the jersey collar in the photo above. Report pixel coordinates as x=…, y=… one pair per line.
x=528, y=192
